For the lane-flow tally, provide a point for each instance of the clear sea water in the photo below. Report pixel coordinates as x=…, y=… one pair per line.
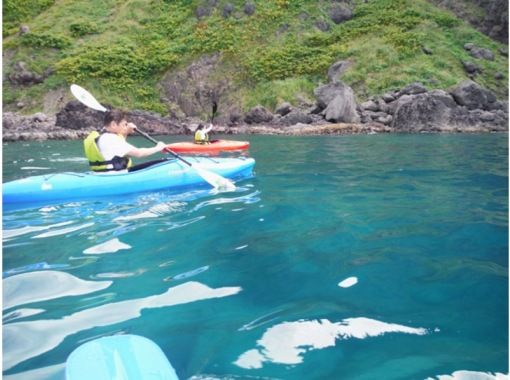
x=345, y=257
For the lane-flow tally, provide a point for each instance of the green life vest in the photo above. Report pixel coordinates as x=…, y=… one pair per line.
x=198, y=138
x=96, y=160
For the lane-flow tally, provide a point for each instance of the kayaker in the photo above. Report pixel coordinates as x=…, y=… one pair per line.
x=109, y=151
x=201, y=134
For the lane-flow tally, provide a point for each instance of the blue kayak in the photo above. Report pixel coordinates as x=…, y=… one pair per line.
x=167, y=175
x=126, y=357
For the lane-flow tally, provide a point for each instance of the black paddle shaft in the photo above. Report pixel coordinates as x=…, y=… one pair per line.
x=168, y=150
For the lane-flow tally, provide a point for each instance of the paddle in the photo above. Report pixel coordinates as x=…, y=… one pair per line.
x=214, y=109
x=215, y=180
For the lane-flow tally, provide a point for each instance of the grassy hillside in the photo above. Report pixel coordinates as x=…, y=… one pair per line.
x=120, y=49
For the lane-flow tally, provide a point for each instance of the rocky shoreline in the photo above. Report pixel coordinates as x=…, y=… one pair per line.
x=468, y=108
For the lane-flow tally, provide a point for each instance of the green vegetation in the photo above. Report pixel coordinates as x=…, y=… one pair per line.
x=15, y=11
x=121, y=49
x=79, y=29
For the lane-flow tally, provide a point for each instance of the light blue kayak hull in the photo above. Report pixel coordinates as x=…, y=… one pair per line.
x=126, y=357
x=168, y=175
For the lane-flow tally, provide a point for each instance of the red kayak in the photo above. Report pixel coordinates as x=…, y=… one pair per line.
x=214, y=147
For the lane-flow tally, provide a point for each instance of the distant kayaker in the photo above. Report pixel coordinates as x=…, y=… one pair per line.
x=109, y=151
x=201, y=134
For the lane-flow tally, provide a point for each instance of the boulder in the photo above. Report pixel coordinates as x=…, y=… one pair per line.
x=24, y=29
x=470, y=67
x=202, y=12
x=339, y=101
x=228, y=8
x=249, y=8
x=413, y=89
x=388, y=98
x=325, y=94
x=75, y=115
x=369, y=105
x=283, y=109
x=468, y=108
x=258, y=115
x=235, y=116
x=40, y=117
x=427, y=50
x=472, y=95
x=337, y=69
x=386, y=120
x=22, y=76
x=296, y=117
x=483, y=53
x=340, y=13
x=423, y=111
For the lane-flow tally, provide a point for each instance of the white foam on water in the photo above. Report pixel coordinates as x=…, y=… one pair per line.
x=285, y=343
x=141, y=215
x=48, y=209
x=70, y=159
x=62, y=231
x=27, y=339
x=45, y=285
x=34, y=168
x=137, y=272
x=28, y=229
x=154, y=211
x=110, y=246
x=241, y=247
x=183, y=223
x=348, y=282
x=471, y=375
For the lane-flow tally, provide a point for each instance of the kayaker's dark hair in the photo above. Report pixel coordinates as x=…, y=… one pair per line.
x=113, y=115
x=200, y=126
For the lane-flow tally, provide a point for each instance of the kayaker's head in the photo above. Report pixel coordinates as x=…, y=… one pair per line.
x=115, y=121
x=200, y=127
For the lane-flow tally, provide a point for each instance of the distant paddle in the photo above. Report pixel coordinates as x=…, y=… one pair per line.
x=215, y=180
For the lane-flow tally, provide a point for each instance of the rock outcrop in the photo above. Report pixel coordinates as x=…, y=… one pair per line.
x=35, y=127
x=466, y=108
x=20, y=75
x=78, y=117
x=490, y=18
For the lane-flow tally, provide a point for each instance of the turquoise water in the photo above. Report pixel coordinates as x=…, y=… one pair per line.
x=349, y=257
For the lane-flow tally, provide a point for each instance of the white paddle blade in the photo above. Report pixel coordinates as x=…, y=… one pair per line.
x=86, y=98
x=215, y=180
